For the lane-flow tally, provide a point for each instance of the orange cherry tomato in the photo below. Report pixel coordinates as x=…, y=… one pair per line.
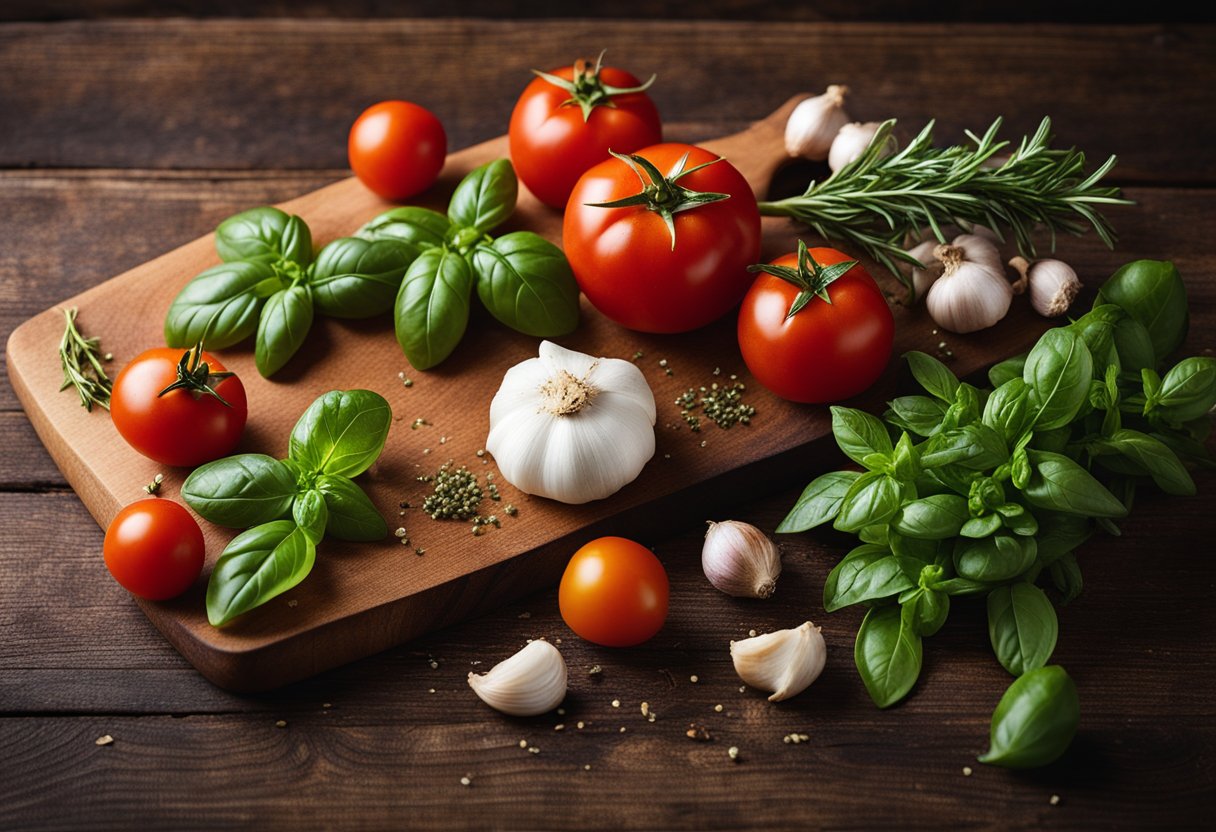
x=614, y=592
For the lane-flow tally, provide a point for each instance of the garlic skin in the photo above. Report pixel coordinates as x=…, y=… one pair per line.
x=814, y=123
x=850, y=142
x=530, y=683
x=571, y=427
x=1053, y=285
x=979, y=247
x=923, y=278
x=740, y=560
x=971, y=294
x=784, y=662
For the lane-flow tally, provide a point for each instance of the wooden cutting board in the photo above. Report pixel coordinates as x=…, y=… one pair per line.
x=363, y=598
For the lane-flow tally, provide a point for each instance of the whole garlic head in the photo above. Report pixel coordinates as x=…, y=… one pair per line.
x=850, y=142
x=1053, y=285
x=530, y=683
x=971, y=294
x=740, y=560
x=784, y=662
x=814, y=123
x=571, y=427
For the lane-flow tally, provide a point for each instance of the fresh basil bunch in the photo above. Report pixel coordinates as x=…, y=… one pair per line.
x=969, y=491
x=292, y=503
x=522, y=279
x=270, y=285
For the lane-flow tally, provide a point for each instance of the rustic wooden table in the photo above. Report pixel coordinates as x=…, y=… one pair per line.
x=122, y=139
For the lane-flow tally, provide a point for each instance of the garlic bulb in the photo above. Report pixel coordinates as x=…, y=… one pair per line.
x=923, y=278
x=814, y=123
x=784, y=662
x=850, y=142
x=971, y=294
x=571, y=427
x=1053, y=285
x=740, y=560
x=529, y=683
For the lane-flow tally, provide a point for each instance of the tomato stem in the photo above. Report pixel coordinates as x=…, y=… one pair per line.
x=587, y=90
x=811, y=278
x=195, y=375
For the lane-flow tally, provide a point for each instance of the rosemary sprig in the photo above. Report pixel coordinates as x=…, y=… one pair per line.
x=879, y=201
x=81, y=359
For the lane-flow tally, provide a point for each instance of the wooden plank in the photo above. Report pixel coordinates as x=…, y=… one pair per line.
x=196, y=93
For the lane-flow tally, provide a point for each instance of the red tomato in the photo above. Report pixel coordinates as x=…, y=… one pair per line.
x=826, y=351
x=552, y=143
x=184, y=426
x=623, y=257
x=397, y=149
x=155, y=549
x=614, y=592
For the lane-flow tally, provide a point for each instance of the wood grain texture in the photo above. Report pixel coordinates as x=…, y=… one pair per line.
x=198, y=93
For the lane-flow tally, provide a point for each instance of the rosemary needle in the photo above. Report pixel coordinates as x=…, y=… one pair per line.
x=80, y=358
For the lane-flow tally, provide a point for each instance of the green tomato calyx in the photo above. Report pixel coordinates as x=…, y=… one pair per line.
x=587, y=90
x=810, y=278
x=194, y=375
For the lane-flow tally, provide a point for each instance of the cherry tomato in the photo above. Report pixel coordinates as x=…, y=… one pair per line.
x=825, y=351
x=553, y=141
x=155, y=549
x=187, y=425
x=623, y=257
x=397, y=149
x=614, y=592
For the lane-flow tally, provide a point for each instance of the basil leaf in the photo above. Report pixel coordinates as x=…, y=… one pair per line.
x=1188, y=390
x=1007, y=410
x=342, y=432
x=1059, y=484
x=1066, y=576
x=1035, y=721
x=526, y=283
x=888, y=655
x=266, y=235
x=1058, y=371
x=962, y=586
x=416, y=228
x=1017, y=519
x=910, y=548
x=876, y=534
x=1152, y=292
x=351, y=514
x=978, y=527
x=859, y=434
x=311, y=515
x=353, y=278
x=933, y=375
x=241, y=490
x=918, y=414
x=926, y=610
x=1134, y=345
x=257, y=565
x=1000, y=373
x=1153, y=457
x=486, y=197
x=932, y=518
x=957, y=480
x=996, y=558
x=220, y=306
x=1022, y=627
x=868, y=573
x=819, y=502
x=1060, y=533
x=873, y=498
x=284, y=324
x=1097, y=329
x=432, y=308
x=975, y=446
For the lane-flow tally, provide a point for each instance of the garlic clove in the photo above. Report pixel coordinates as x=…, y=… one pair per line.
x=979, y=248
x=814, y=123
x=1053, y=285
x=530, y=683
x=784, y=662
x=923, y=278
x=850, y=142
x=970, y=295
x=740, y=560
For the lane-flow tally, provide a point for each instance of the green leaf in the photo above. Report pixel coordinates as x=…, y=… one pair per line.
x=1097, y=329
x=1022, y=627
x=996, y=558
x=416, y=228
x=1059, y=484
x=1066, y=576
x=257, y=565
x=859, y=434
x=1035, y=721
x=485, y=197
x=984, y=526
x=351, y=514
x=975, y=446
x=242, y=490
x=932, y=518
x=1152, y=292
x=887, y=654
x=868, y=573
x=284, y=324
x=432, y=309
x=1150, y=456
x=1007, y=410
x=1010, y=368
x=526, y=283
x=342, y=432
x=310, y=513
x=1134, y=345
x=873, y=498
x=353, y=278
x=1188, y=390
x=218, y=307
x=933, y=375
x=1060, y=533
x=820, y=502
x=266, y=235
x=918, y=414
x=1058, y=371
x=925, y=610
x=963, y=587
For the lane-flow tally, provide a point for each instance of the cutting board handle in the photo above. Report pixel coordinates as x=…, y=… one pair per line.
x=759, y=151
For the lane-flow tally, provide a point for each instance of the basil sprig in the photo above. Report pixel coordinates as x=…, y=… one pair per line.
x=291, y=504
x=270, y=285
x=522, y=279
x=967, y=491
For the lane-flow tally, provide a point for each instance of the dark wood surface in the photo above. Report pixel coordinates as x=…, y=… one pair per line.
x=121, y=140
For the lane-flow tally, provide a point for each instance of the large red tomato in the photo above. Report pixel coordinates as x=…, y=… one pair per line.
x=625, y=259
x=161, y=405
x=558, y=130
x=823, y=352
